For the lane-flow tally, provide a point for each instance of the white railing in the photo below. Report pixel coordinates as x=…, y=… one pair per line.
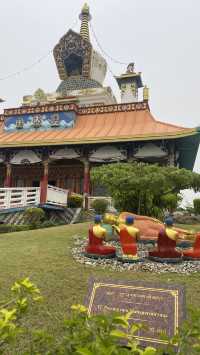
x=19, y=197
x=56, y=196
x=91, y=199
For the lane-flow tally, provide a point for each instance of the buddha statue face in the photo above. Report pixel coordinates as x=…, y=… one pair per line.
x=110, y=218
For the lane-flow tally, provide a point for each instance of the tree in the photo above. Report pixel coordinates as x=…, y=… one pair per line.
x=196, y=204
x=144, y=188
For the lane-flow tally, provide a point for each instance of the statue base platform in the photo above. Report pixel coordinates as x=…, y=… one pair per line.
x=165, y=260
x=185, y=244
x=99, y=256
x=189, y=258
x=128, y=259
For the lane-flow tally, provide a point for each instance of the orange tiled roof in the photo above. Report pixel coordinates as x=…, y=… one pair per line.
x=98, y=128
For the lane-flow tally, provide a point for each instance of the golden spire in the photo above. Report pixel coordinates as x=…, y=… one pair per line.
x=145, y=93
x=85, y=17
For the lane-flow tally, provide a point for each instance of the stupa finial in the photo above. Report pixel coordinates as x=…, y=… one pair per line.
x=85, y=17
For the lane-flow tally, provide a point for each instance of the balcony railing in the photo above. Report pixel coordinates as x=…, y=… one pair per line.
x=14, y=197
x=19, y=197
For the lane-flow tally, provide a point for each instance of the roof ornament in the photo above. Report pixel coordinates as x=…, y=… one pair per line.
x=85, y=17
x=145, y=93
x=130, y=68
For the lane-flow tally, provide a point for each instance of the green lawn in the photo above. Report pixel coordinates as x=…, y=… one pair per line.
x=44, y=255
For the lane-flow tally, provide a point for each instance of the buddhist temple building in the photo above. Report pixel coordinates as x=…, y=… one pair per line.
x=56, y=138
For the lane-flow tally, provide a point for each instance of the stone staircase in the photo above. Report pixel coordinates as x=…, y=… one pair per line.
x=16, y=217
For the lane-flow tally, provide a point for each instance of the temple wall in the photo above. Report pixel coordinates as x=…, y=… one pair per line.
x=64, y=176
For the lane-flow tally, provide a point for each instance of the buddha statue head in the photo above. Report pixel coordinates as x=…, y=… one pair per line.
x=129, y=220
x=97, y=219
x=169, y=221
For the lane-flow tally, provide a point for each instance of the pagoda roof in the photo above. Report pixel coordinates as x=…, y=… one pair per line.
x=112, y=123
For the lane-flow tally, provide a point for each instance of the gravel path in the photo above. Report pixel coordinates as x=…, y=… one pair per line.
x=185, y=267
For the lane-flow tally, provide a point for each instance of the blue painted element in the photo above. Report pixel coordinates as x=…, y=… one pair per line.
x=18, y=209
x=97, y=218
x=51, y=207
x=169, y=221
x=130, y=220
x=40, y=121
x=14, y=210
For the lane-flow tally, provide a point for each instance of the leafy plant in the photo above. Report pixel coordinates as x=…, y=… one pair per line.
x=75, y=201
x=100, y=206
x=187, y=339
x=25, y=293
x=34, y=216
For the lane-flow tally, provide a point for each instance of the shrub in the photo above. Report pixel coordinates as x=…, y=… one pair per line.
x=8, y=228
x=47, y=224
x=34, y=216
x=196, y=203
x=75, y=201
x=100, y=206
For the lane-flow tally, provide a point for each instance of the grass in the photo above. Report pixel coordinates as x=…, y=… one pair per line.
x=44, y=255
x=194, y=227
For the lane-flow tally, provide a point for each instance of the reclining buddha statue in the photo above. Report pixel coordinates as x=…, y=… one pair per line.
x=96, y=247
x=166, y=244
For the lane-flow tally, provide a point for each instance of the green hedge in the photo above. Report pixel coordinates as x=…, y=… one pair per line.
x=8, y=228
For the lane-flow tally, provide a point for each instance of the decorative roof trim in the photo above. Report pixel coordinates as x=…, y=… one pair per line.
x=182, y=134
x=40, y=109
x=136, y=106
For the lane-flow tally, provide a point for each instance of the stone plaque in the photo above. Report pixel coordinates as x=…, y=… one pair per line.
x=161, y=307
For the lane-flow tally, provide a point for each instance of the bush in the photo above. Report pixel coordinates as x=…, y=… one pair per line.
x=100, y=206
x=196, y=203
x=34, y=216
x=75, y=201
x=8, y=228
x=47, y=224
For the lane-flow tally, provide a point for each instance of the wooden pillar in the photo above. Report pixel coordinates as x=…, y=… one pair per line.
x=44, y=182
x=86, y=179
x=8, y=178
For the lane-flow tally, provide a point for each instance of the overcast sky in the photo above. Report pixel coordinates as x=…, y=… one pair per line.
x=161, y=37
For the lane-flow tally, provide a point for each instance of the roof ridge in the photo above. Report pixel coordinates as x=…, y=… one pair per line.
x=168, y=124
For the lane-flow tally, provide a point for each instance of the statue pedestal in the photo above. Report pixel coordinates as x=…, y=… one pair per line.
x=99, y=256
x=125, y=258
x=166, y=260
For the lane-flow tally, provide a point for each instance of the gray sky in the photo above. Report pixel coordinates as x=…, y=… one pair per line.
x=161, y=37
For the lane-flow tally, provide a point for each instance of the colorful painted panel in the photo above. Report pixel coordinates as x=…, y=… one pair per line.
x=40, y=121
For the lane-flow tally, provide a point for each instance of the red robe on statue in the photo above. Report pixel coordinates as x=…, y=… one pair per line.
x=128, y=242
x=194, y=252
x=166, y=247
x=96, y=243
